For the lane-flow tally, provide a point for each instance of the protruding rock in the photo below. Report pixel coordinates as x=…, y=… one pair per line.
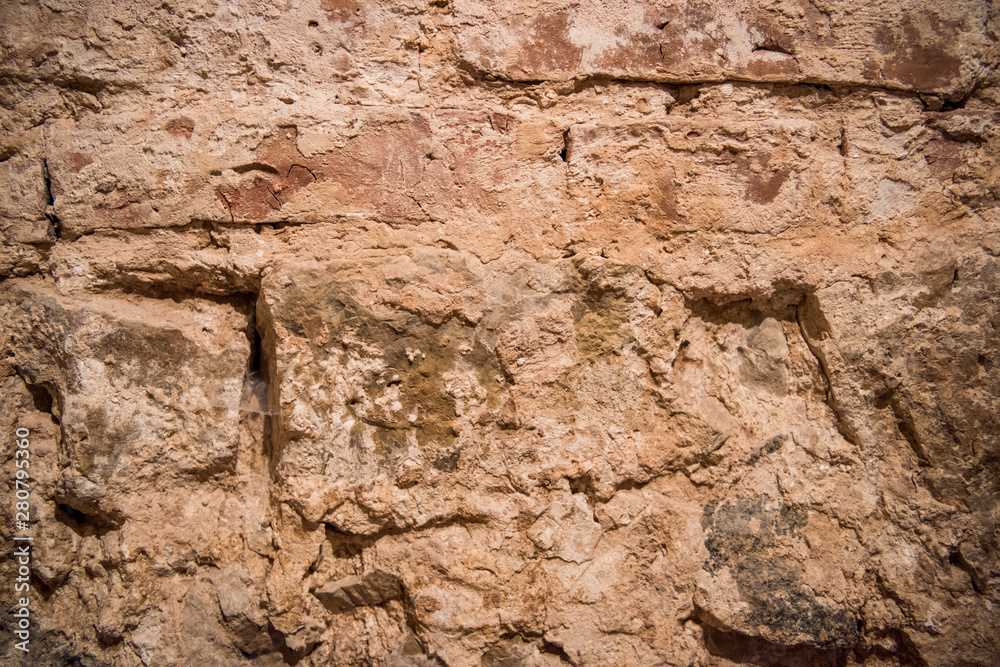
x=359, y=591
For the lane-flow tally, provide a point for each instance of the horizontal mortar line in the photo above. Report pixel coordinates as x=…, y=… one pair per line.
x=809, y=82
x=487, y=78
x=187, y=226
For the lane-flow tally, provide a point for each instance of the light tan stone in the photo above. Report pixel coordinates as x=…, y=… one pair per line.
x=503, y=333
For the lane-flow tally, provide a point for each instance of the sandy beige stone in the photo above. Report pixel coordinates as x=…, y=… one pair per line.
x=503, y=333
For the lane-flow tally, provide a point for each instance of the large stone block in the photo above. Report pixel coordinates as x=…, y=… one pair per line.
x=143, y=389
x=908, y=46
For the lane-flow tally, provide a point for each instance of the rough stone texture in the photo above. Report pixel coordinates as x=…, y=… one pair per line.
x=467, y=333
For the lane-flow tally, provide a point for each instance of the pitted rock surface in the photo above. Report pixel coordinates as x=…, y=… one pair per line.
x=452, y=332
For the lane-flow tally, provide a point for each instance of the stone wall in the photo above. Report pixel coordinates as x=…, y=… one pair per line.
x=456, y=332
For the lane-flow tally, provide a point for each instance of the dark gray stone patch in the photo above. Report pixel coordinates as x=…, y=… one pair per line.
x=754, y=537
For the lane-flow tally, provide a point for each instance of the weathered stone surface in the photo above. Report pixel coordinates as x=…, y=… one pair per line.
x=907, y=46
x=354, y=591
x=405, y=167
x=116, y=370
x=464, y=333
